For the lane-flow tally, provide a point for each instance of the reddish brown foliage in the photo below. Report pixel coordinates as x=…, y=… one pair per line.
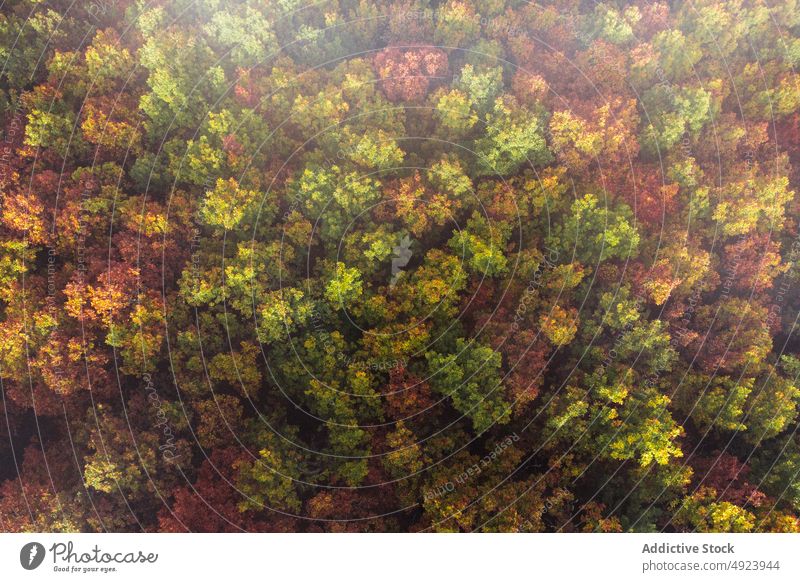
x=407, y=74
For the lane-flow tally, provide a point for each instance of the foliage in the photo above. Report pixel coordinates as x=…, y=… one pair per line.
x=399, y=266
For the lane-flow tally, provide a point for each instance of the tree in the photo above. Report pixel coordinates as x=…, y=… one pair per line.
x=406, y=74
x=598, y=234
x=469, y=377
x=748, y=202
x=513, y=137
x=715, y=402
x=481, y=244
x=735, y=335
x=247, y=38
x=454, y=114
x=702, y=513
x=227, y=204
x=269, y=479
x=344, y=287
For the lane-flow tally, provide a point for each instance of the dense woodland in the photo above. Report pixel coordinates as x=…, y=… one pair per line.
x=354, y=265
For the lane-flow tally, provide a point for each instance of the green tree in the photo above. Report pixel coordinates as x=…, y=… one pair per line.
x=513, y=137
x=469, y=377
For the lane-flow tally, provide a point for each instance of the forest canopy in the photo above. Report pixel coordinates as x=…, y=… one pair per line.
x=419, y=265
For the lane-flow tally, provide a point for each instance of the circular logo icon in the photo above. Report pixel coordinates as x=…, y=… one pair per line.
x=31, y=555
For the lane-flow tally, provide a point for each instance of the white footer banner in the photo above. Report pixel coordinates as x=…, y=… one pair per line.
x=400, y=557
